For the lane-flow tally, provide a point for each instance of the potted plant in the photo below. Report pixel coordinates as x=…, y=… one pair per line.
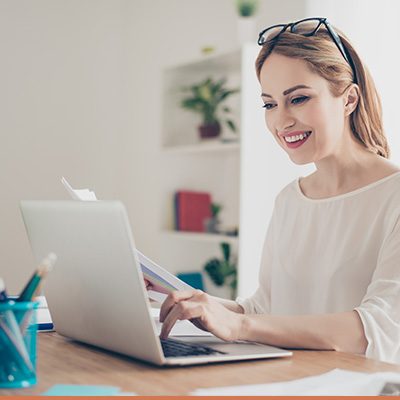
x=246, y=10
x=211, y=224
x=207, y=98
x=223, y=272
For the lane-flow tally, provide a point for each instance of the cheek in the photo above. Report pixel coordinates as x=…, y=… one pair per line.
x=268, y=122
x=316, y=116
x=329, y=122
x=270, y=125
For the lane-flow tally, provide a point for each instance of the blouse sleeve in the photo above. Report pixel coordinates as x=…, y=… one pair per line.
x=260, y=302
x=380, y=308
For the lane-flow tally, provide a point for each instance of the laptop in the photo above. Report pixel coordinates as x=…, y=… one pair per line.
x=96, y=293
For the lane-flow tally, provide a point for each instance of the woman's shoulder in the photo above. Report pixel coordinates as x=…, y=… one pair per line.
x=289, y=192
x=317, y=186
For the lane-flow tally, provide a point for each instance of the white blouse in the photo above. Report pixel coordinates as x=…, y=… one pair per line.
x=334, y=255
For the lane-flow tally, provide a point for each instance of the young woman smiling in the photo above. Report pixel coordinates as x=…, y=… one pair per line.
x=330, y=271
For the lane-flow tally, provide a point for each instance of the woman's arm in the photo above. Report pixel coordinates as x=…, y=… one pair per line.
x=340, y=331
x=229, y=304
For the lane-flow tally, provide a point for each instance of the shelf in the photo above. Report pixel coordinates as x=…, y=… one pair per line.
x=226, y=61
x=220, y=166
x=202, y=147
x=202, y=237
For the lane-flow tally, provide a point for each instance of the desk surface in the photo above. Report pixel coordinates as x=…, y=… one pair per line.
x=62, y=361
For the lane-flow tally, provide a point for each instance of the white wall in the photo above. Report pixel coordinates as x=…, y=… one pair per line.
x=63, y=110
x=80, y=97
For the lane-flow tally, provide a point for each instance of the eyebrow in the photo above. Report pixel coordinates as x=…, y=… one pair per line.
x=288, y=91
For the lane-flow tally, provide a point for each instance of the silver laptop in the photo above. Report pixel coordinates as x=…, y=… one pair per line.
x=96, y=293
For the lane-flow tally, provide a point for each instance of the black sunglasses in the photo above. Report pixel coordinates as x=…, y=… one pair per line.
x=305, y=27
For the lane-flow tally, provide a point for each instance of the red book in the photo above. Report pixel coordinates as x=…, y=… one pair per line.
x=192, y=208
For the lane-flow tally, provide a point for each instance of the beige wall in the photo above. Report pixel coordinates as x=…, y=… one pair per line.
x=80, y=97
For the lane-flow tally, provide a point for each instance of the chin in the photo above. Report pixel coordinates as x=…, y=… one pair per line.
x=300, y=160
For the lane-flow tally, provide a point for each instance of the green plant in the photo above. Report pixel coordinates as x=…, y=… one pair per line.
x=215, y=209
x=246, y=8
x=206, y=98
x=223, y=271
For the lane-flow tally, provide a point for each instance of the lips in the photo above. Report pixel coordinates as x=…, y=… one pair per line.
x=296, y=139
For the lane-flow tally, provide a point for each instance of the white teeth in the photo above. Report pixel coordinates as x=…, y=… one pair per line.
x=295, y=138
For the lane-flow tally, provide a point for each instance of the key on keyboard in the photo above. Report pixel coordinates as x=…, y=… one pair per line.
x=176, y=348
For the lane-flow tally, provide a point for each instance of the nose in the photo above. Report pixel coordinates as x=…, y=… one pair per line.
x=284, y=119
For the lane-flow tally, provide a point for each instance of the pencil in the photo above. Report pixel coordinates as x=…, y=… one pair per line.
x=14, y=337
x=33, y=287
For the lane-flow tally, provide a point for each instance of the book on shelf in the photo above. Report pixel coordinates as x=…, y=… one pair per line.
x=191, y=210
x=162, y=281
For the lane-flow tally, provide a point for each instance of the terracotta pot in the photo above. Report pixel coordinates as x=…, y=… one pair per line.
x=209, y=131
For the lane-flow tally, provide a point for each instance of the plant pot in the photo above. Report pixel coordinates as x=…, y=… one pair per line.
x=209, y=131
x=211, y=225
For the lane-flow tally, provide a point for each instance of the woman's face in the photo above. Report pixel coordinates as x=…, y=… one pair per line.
x=305, y=119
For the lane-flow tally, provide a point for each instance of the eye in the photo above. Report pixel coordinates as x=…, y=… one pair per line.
x=299, y=100
x=269, y=106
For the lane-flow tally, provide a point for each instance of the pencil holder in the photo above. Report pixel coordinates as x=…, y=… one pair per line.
x=17, y=344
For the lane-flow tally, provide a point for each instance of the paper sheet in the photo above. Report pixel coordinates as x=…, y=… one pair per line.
x=85, y=390
x=156, y=296
x=43, y=317
x=79, y=194
x=337, y=382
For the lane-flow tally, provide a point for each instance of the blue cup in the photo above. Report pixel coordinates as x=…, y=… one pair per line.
x=17, y=344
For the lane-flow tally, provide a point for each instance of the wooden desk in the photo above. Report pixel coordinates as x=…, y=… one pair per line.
x=62, y=361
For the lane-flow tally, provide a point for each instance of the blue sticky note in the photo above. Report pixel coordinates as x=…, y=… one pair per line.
x=82, y=390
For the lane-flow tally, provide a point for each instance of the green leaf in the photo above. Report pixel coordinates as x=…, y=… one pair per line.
x=226, y=251
x=231, y=125
x=213, y=267
x=247, y=8
x=205, y=98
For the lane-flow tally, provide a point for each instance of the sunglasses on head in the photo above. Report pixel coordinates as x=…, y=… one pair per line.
x=304, y=27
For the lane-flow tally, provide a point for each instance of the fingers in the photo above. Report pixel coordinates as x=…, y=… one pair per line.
x=203, y=311
x=178, y=306
x=148, y=284
x=174, y=298
x=184, y=310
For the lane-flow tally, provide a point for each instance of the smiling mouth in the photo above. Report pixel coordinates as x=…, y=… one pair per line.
x=297, y=138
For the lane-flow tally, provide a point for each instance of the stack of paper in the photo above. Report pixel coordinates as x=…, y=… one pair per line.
x=79, y=194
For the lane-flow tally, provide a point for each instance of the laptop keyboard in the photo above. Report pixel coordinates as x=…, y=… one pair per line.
x=175, y=348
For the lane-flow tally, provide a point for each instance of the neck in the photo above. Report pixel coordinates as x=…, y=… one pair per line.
x=336, y=174
x=350, y=167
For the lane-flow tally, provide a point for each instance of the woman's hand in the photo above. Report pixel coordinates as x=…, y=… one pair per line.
x=148, y=284
x=203, y=311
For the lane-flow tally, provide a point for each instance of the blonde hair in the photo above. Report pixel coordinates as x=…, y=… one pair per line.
x=323, y=57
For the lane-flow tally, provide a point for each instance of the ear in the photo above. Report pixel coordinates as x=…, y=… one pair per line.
x=351, y=97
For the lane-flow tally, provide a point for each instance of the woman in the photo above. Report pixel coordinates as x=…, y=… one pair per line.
x=330, y=272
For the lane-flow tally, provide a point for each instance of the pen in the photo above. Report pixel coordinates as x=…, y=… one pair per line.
x=33, y=286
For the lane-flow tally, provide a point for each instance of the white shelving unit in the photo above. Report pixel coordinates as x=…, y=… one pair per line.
x=201, y=237
x=242, y=171
x=203, y=147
